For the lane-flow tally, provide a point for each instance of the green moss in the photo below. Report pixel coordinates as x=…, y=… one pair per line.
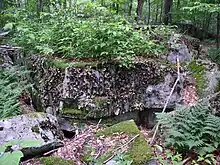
x=36, y=114
x=128, y=127
x=139, y=150
x=100, y=101
x=64, y=64
x=198, y=72
x=88, y=159
x=84, y=64
x=73, y=111
x=55, y=161
x=60, y=64
x=109, y=121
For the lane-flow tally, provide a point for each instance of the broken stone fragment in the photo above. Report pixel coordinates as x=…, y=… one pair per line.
x=33, y=126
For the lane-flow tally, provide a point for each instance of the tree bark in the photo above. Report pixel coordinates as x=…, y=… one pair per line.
x=149, y=8
x=1, y=5
x=178, y=4
x=39, y=6
x=157, y=10
x=167, y=11
x=140, y=9
x=130, y=7
x=117, y=7
x=218, y=31
x=161, y=11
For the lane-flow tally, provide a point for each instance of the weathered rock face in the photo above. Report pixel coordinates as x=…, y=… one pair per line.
x=32, y=126
x=9, y=55
x=85, y=90
x=102, y=91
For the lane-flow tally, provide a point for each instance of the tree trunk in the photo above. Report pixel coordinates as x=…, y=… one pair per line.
x=64, y=4
x=167, y=11
x=117, y=7
x=1, y=5
x=140, y=9
x=178, y=4
x=157, y=10
x=149, y=8
x=161, y=11
x=40, y=4
x=218, y=31
x=130, y=7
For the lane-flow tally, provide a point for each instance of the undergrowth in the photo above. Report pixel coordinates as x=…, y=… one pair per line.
x=214, y=55
x=95, y=33
x=13, y=83
x=191, y=128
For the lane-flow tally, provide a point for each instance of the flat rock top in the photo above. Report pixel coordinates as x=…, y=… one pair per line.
x=34, y=126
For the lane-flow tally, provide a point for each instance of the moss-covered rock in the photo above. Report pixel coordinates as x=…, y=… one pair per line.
x=55, y=161
x=139, y=150
x=73, y=112
x=63, y=64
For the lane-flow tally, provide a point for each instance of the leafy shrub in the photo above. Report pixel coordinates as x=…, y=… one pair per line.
x=208, y=159
x=122, y=159
x=162, y=32
x=214, y=55
x=12, y=83
x=170, y=158
x=191, y=128
x=73, y=37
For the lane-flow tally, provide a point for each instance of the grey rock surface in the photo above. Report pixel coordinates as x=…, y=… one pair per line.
x=33, y=126
x=9, y=55
x=109, y=90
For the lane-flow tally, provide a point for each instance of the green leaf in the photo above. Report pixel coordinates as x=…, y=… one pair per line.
x=3, y=148
x=159, y=148
x=11, y=158
x=8, y=26
x=200, y=159
x=30, y=143
x=208, y=161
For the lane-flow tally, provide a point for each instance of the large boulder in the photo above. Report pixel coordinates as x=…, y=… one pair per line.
x=92, y=90
x=88, y=91
x=33, y=126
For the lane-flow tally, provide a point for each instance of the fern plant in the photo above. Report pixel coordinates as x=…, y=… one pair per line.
x=13, y=83
x=214, y=55
x=191, y=128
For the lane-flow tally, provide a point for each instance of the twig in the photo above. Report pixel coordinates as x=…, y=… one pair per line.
x=168, y=99
x=97, y=155
x=120, y=148
x=127, y=142
x=186, y=160
x=50, y=152
x=97, y=126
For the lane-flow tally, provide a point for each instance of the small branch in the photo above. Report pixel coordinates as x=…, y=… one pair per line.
x=168, y=99
x=186, y=160
x=97, y=155
x=128, y=142
x=110, y=158
x=115, y=151
x=97, y=126
x=50, y=152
